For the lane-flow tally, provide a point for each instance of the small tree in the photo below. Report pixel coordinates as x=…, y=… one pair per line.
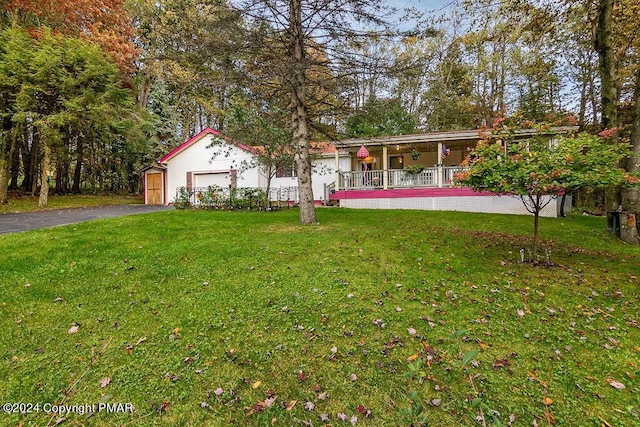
x=265, y=132
x=537, y=170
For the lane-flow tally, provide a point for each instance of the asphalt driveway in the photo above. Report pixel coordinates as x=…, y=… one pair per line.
x=24, y=221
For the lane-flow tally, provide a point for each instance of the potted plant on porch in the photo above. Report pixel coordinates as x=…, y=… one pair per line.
x=414, y=169
x=415, y=154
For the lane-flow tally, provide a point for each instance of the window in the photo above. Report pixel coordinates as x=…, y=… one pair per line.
x=395, y=162
x=285, y=171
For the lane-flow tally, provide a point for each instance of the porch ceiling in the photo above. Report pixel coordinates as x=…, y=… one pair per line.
x=463, y=136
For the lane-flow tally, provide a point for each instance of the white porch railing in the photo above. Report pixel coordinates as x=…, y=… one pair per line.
x=401, y=178
x=398, y=178
x=365, y=179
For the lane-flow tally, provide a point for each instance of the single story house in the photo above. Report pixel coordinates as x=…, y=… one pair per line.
x=392, y=172
x=210, y=159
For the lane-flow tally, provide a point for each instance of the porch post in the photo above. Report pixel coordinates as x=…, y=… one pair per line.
x=440, y=166
x=337, y=156
x=385, y=167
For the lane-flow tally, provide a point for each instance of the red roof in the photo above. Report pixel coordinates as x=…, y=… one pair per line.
x=198, y=137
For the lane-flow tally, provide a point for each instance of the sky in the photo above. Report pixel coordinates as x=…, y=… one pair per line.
x=430, y=8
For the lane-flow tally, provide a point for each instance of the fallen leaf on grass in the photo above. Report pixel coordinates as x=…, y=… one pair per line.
x=616, y=384
x=547, y=401
x=164, y=407
x=533, y=377
x=291, y=405
x=105, y=382
x=549, y=417
x=73, y=329
x=256, y=385
x=412, y=358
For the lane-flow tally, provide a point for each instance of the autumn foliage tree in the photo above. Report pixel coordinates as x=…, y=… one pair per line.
x=539, y=169
x=63, y=97
x=104, y=22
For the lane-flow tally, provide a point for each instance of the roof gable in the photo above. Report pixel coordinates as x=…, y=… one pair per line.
x=208, y=131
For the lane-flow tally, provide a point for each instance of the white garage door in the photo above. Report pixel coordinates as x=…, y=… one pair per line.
x=220, y=179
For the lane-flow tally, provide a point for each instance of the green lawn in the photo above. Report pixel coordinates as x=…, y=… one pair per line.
x=236, y=318
x=30, y=203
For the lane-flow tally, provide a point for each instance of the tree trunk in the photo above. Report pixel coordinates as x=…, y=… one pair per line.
x=15, y=164
x=77, y=172
x=536, y=218
x=583, y=104
x=5, y=158
x=299, y=116
x=269, y=178
x=604, y=47
x=631, y=196
x=44, y=188
x=4, y=173
x=609, y=94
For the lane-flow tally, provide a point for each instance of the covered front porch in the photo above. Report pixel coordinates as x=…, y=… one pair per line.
x=403, y=161
x=418, y=172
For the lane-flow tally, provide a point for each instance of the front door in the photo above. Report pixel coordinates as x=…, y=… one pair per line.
x=154, y=188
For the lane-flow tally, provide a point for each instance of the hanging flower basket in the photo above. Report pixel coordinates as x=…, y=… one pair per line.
x=363, y=153
x=415, y=154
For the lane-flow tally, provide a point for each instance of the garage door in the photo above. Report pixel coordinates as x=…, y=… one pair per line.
x=206, y=179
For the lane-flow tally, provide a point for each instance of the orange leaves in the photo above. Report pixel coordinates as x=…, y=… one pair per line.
x=291, y=405
x=104, y=22
x=539, y=381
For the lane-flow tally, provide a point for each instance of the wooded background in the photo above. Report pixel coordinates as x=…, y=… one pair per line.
x=94, y=90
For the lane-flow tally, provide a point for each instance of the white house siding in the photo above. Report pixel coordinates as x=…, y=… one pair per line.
x=323, y=173
x=485, y=204
x=213, y=166
x=207, y=168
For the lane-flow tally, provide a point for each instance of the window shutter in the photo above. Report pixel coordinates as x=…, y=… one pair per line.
x=189, y=179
